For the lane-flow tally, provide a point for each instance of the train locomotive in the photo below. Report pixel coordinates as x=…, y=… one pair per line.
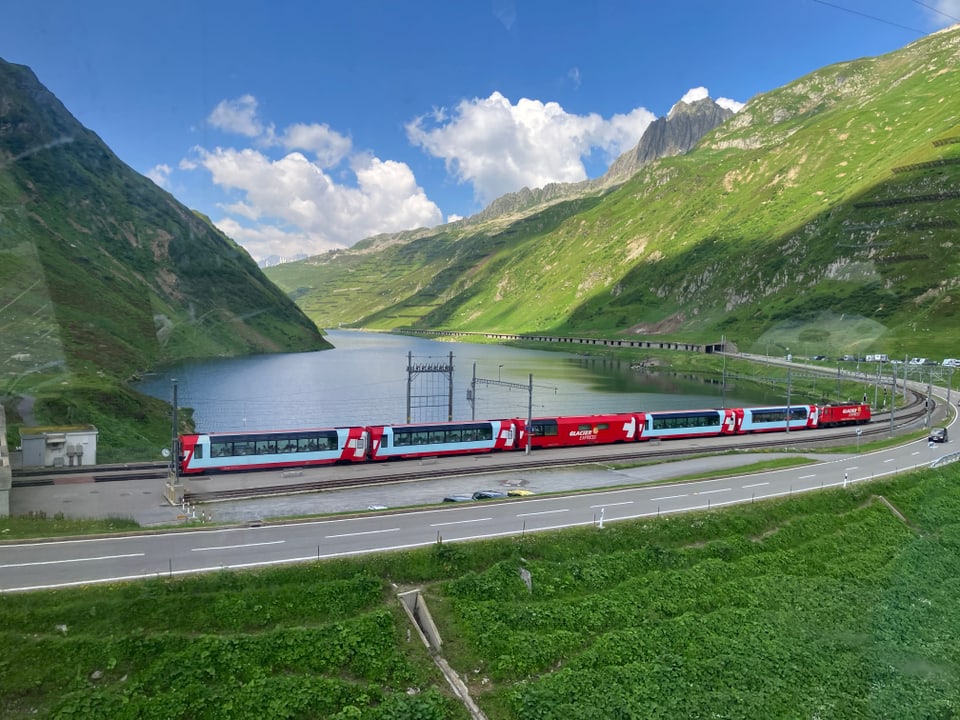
x=229, y=452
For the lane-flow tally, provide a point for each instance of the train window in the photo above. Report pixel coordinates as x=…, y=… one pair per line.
x=266, y=447
x=544, y=429
x=436, y=437
x=243, y=448
x=198, y=452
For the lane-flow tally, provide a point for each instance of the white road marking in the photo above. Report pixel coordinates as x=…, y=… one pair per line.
x=670, y=497
x=368, y=532
x=233, y=547
x=543, y=512
x=73, y=560
x=460, y=522
x=755, y=485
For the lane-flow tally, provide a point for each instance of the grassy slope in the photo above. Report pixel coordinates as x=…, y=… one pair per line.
x=103, y=275
x=827, y=604
x=756, y=234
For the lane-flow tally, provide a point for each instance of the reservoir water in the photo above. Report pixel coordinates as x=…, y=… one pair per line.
x=365, y=381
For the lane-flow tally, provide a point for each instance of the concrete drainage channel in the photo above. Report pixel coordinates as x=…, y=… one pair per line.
x=419, y=615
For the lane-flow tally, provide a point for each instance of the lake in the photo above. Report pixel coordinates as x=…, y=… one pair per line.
x=364, y=381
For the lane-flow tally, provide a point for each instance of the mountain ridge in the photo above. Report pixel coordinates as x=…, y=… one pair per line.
x=752, y=230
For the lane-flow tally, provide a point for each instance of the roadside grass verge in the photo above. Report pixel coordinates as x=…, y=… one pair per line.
x=39, y=525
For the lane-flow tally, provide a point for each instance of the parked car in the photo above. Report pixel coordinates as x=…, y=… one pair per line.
x=951, y=362
x=938, y=435
x=489, y=494
x=519, y=492
x=458, y=498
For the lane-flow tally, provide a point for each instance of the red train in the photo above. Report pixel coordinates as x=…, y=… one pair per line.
x=225, y=452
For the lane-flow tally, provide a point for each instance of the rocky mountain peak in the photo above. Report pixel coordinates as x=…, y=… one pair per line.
x=675, y=134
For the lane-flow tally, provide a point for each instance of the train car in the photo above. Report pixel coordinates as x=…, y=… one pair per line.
x=579, y=430
x=668, y=424
x=844, y=414
x=774, y=419
x=388, y=442
x=225, y=452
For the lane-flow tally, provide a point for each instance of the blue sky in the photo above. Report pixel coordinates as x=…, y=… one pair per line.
x=301, y=126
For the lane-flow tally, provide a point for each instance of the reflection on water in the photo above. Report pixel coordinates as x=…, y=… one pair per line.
x=365, y=381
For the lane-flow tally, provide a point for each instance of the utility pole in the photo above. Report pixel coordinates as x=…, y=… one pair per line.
x=174, y=488
x=788, y=400
x=472, y=396
x=893, y=393
x=529, y=414
x=175, y=438
x=723, y=377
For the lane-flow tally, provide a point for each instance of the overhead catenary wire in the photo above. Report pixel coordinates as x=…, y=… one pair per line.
x=873, y=17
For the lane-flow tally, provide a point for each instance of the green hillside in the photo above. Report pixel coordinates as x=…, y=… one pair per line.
x=103, y=275
x=824, y=214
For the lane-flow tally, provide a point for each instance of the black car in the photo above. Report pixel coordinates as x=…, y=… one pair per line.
x=938, y=435
x=489, y=494
x=458, y=498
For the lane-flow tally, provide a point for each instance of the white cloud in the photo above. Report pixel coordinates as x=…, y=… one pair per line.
x=160, y=174
x=499, y=147
x=293, y=206
x=237, y=116
x=262, y=241
x=329, y=146
x=288, y=204
x=694, y=94
x=699, y=93
x=734, y=105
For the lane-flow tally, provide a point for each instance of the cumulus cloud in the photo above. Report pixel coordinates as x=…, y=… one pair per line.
x=499, y=147
x=734, y=105
x=291, y=205
x=699, y=93
x=287, y=203
x=160, y=174
x=237, y=116
x=328, y=146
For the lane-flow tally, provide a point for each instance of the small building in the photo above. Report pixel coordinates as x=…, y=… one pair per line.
x=59, y=446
